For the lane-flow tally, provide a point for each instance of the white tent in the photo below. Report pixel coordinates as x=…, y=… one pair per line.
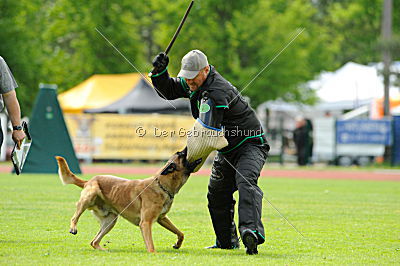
x=350, y=87
x=396, y=111
x=352, y=83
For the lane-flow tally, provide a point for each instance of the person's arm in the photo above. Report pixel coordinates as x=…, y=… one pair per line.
x=167, y=87
x=14, y=113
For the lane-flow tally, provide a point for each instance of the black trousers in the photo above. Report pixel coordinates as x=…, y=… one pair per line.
x=237, y=170
x=301, y=156
x=1, y=135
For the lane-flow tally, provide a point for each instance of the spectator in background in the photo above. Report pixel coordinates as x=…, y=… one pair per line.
x=302, y=137
x=9, y=100
x=309, y=141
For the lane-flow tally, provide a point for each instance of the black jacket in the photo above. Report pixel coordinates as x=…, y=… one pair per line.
x=238, y=118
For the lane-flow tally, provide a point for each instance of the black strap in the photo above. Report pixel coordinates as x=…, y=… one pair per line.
x=164, y=189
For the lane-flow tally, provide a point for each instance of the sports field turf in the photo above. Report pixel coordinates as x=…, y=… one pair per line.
x=344, y=222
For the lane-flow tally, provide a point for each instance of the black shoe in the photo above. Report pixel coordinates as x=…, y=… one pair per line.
x=250, y=241
x=235, y=245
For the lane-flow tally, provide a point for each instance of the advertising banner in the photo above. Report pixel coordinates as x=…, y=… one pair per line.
x=130, y=136
x=396, y=140
x=363, y=132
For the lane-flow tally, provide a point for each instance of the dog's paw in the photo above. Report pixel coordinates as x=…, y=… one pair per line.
x=101, y=248
x=175, y=246
x=73, y=231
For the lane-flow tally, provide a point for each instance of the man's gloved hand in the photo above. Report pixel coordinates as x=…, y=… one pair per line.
x=160, y=62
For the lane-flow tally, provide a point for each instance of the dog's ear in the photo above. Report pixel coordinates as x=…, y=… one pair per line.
x=169, y=169
x=182, y=153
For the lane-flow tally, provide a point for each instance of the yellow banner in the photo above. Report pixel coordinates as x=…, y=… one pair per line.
x=130, y=136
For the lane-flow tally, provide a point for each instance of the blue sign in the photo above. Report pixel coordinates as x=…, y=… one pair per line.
x=396, y=142
x=364, y=132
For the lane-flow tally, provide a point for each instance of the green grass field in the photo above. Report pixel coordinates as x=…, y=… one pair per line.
x=344, y=222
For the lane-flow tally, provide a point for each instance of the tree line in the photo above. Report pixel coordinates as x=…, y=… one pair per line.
x=61, y=42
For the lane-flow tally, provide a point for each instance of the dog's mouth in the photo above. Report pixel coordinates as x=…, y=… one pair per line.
x=182, y=155
x=191, y=166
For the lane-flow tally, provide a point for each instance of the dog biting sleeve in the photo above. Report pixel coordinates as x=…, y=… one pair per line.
x=202, y=140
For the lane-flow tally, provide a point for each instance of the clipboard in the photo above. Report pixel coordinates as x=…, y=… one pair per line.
x=18, y=156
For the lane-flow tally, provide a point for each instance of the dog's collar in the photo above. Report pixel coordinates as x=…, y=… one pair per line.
x=171, y=196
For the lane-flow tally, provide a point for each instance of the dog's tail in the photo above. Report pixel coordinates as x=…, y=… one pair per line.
x=66, y=176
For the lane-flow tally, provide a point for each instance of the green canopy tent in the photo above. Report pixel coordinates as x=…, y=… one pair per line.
x=49, y=134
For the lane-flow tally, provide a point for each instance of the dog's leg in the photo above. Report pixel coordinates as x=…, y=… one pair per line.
x=106, y=224
x=166, y=223
x=88, y=195
x=147, y=218
x=145, y=228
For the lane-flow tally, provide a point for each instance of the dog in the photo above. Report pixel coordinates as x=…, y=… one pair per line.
x=141, y=202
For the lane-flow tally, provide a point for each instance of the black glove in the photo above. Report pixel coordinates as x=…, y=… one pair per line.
x=160, y=62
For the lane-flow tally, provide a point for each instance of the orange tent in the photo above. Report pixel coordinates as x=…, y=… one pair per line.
x=377, y=106
x=98, y=91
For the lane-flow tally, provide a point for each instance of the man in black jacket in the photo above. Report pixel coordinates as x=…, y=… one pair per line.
x=217, y=103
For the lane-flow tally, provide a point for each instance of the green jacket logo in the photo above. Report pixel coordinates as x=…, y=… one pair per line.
x=204, y=108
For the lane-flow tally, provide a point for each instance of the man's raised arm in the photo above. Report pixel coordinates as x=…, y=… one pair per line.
x=167, y=87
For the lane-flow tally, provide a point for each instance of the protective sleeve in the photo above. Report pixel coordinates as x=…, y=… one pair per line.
x=201, y=141
x=170, y=88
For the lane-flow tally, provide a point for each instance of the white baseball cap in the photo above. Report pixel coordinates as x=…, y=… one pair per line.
x=192, y=63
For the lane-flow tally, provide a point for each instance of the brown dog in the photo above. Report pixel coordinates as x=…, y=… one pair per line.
x=139, y=201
